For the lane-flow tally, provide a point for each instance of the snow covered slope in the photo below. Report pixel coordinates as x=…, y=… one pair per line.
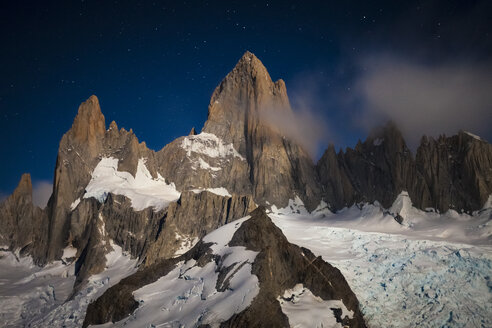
x=191, y=293
x=420, y=274
x=40, y=297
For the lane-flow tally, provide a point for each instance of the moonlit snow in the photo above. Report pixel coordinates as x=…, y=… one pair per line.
x=187, y=296
x=143, y=190
x=208, y=144
x=218, y=191
x=306, y=310
x=39, y=297
x=432, y=271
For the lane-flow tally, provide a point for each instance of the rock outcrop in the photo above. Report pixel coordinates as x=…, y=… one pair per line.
x=278, y=265
x=375, y=170
x=281, y=265
x=193, y=216
x=22, y=226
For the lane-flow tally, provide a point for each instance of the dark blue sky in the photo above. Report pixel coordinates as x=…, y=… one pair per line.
x=154, y=65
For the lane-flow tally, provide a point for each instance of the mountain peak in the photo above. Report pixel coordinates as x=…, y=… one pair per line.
x=244, y=92
x=250, y=59
x=89, y=124
x=24, y=187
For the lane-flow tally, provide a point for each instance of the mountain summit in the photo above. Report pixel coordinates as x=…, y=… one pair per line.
x=278, y=168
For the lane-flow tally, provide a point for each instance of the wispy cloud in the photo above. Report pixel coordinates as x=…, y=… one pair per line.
x=301, y=125
x=425, y=99
x=41, y=192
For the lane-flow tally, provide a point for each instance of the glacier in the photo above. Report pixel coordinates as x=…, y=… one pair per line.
x=432, y=271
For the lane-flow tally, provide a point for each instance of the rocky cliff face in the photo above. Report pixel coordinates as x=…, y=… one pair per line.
x=452, y=172
x=457, y=171
x=278, y=168
x=23, y=225
x=375, y=170
x=192, y=217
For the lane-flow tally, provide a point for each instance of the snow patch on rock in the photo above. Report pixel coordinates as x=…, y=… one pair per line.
x=378, y=141
x=488, y=203
x=473, y=135
x=210, y=145
x=306, y=310
x=69, y=252
x=187, y=243
x=75, y=204
x=218, y=191
x=143, y=190
x=205, y=166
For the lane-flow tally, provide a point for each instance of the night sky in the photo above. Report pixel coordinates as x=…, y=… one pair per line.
x=154, y=65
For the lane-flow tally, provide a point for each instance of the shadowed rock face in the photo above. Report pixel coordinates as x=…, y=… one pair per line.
x=279, y=265
x=454, y=172
x=375, y=170
x=457, y=172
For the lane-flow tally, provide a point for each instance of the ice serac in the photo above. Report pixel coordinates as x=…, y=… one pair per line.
x=278, y=167
x=22, y=225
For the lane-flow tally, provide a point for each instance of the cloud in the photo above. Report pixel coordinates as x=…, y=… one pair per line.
x=425, y=99
x=301, y=125
x=41, y=192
